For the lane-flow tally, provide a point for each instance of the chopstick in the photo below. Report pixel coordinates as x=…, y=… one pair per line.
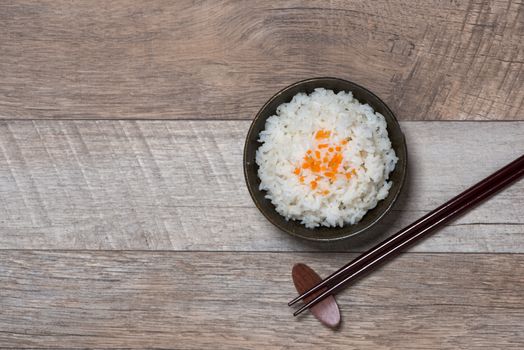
x=413, y=232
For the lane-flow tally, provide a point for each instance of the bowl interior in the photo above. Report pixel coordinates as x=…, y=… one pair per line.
x=251, y=169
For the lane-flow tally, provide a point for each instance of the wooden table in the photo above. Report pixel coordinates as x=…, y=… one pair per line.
x=124, y=218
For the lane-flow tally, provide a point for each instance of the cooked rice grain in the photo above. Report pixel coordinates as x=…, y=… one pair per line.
x=325, y=159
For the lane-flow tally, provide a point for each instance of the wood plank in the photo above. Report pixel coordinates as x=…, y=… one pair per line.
x=179, y=185
x=185, y=59
x=220, y=300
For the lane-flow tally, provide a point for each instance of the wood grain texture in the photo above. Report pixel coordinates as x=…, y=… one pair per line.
x=238, y=301
x=206, y=59
x=179, y=185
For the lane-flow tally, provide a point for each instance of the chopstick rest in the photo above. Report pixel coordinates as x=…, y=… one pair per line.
x=326, y=311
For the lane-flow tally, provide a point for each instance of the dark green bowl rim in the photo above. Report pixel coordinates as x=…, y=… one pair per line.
x=351, y=234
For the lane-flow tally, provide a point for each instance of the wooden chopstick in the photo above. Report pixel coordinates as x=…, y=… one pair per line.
x=412, y=233
x=420, y=223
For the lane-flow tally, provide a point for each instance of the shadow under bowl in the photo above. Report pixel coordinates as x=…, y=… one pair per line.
x=322, y=233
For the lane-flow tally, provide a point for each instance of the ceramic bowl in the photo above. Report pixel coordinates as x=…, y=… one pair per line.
x=295, y=228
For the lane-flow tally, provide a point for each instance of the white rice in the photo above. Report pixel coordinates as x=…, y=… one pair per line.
x=368, y=159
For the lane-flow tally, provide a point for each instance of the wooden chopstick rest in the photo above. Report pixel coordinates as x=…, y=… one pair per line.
x=326, y=311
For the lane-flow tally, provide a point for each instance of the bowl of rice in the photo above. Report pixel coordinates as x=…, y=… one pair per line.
x=325, y=159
